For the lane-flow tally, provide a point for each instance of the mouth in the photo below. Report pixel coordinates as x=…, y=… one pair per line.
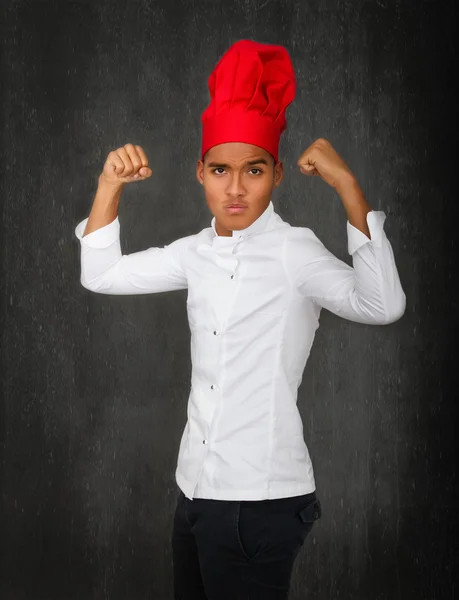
x=235, y=209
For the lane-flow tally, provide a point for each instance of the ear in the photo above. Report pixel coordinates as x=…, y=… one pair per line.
x=200, y=171
x=278, y=173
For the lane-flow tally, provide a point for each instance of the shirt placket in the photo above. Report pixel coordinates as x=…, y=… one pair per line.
x=224, y=257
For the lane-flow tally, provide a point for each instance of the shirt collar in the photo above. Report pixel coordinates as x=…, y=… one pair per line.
x=256, y=227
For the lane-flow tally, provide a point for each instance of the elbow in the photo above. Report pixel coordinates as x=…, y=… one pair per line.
x=86, y=286
x=395, y=310
x=90, y=286
x=84, y=283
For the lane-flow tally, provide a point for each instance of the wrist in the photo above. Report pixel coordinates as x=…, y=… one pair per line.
x=347, y=184
x=114, y=186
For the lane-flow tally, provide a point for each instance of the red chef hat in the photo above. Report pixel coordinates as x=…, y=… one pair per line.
x=250, y=88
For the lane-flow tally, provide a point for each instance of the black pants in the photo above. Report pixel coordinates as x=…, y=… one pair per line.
x=238, y=549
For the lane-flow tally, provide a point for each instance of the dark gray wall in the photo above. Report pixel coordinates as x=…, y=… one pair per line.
x=94, y=387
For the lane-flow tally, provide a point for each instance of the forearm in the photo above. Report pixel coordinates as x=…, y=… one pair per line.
x=105, y=206
x=355, y=204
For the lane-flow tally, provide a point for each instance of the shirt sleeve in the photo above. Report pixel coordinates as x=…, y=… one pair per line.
x=105, y=270
x=368, y=292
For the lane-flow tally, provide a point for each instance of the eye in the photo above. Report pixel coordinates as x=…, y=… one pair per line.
x=221, y=169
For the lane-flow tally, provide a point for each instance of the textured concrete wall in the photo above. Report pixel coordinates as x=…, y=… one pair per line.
x=94, y=387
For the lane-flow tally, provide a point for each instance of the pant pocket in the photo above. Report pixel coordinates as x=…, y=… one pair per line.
x=251, y=529
x=309, y=514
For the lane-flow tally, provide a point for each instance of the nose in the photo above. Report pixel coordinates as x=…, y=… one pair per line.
x=235, y=188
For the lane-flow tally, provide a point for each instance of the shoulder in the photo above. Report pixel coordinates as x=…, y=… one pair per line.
x=303, y=249
x=180, y=249
x=183, y=243
x=303, y=239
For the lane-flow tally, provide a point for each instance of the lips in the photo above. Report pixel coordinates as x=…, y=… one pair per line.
x=235, y=210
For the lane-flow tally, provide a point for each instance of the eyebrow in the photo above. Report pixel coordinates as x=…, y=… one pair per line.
x=257, y=161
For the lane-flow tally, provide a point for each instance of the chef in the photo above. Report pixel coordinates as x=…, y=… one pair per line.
x=256, y=286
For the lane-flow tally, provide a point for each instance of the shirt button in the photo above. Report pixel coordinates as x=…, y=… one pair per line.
x=215, y=332
x=232, y=276
x=204, y=441
x=212, y=387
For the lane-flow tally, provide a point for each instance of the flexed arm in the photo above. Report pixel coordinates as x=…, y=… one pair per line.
x=104, y=269
x=370, y=291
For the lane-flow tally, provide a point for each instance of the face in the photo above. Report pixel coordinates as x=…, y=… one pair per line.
x=238, y=173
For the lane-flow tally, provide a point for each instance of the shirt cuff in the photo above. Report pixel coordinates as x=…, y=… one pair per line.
x=356, y=238
x=100, y=238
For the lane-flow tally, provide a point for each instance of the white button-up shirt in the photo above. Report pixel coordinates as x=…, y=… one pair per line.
x=253, y=303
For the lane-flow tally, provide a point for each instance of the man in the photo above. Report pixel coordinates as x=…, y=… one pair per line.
x=256, y=286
